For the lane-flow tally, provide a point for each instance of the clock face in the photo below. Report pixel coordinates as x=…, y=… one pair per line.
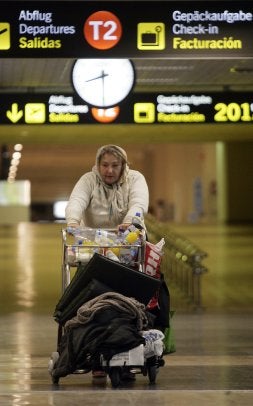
x=103, y=82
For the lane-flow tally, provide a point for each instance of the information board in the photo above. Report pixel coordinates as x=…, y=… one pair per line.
x=139, y=108
x=133, y=29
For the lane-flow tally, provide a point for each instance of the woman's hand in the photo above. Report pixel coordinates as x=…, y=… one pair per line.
x=73, y=225
x=123, y=226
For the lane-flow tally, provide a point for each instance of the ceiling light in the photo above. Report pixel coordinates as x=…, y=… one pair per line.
x=16, y=155
x=18, y=147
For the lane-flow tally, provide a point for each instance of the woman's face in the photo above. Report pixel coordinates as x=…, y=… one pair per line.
x=110, y=168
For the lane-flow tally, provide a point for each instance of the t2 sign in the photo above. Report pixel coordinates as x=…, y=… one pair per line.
x=102, y=30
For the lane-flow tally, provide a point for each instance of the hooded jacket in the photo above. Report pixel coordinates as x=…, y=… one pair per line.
x=95, y=204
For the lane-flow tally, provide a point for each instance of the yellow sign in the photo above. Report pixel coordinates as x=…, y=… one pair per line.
x=151, y=36
x=35, y=113
x=14, y=115
x=5, y=38
x=144, y=113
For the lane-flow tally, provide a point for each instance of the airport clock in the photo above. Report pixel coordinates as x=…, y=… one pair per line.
x=103, y=82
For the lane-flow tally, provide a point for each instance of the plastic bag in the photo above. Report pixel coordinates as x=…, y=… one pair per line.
x=153, y=257
x=169, y=338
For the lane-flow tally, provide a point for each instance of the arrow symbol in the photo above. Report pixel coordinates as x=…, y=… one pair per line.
x=14, y=115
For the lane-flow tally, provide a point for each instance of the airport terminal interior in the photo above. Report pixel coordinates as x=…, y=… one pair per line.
x=201, y=198
x=212, y=364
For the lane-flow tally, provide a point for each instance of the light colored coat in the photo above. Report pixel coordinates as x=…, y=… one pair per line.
x=95, y=204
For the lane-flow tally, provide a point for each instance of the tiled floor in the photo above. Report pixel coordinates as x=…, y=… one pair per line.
x=213, y=364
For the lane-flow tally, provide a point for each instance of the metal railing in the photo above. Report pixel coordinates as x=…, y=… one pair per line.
x=182, y=260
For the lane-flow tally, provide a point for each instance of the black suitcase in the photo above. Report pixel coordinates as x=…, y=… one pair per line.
x=109, y=275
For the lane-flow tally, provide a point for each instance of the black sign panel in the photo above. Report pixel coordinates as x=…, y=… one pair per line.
x=138, y=108
x=133, y=29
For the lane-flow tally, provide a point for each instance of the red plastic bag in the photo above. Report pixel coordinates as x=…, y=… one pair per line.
x=153, y=258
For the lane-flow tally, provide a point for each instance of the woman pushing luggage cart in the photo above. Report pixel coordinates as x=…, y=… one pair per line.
x=109, y=196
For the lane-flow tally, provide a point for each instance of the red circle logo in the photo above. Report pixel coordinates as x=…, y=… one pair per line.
x=105, y=115
x=102, y=30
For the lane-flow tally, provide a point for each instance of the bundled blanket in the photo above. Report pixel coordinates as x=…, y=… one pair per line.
x=127, y=305
x=108, y=324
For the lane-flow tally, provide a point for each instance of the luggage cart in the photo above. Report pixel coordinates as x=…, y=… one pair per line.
x=74, y=253
x=131, y=258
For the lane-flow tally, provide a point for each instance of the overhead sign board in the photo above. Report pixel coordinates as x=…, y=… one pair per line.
x=138, y=108
x=133, y=29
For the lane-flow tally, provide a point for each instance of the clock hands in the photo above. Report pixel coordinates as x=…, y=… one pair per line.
x=102, y=76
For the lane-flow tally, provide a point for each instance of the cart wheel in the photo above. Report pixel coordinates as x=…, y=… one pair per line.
x=55, y=380
x=51, y=364
x=115, y=375
x=161, y=362
x=144, y=370
x=152, y=372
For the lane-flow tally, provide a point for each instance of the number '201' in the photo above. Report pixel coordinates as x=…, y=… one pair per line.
x=232, y=112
